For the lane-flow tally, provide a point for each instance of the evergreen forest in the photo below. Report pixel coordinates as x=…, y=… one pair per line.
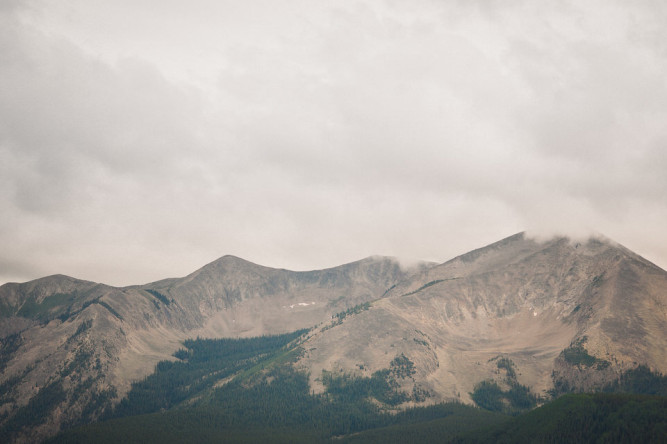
x=246, y=390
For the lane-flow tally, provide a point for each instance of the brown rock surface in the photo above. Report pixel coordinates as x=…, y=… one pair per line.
x=519, y=298
x=89, y=338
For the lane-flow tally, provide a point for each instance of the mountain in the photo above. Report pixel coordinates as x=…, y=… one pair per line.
x=232, y=297
x=505, y=327
x=551, y=316
x=74, y=347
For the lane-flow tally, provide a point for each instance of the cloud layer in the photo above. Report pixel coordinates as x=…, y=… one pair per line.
x=142, y=139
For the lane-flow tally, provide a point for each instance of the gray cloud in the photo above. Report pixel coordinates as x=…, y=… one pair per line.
x=138, y=143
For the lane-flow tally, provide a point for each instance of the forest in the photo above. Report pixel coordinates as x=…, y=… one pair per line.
x=246, y=390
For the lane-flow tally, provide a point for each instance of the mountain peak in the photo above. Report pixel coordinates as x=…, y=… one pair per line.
x=524, y=298
x=521, y=298
x=229, y=260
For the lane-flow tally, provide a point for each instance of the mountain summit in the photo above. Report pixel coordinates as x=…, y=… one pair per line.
x=517, y=300
x=84, y=343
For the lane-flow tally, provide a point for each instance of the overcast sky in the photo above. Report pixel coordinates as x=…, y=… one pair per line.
x=142, y=139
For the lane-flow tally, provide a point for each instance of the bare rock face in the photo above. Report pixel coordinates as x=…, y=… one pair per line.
x=568, y=315
x=79, y=345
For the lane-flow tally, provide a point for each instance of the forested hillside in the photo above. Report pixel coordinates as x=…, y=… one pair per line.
x=504, y=329
x=197, y=399
x=246, y=390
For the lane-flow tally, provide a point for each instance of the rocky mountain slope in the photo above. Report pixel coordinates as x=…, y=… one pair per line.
x=546, y=316
x=553, y=316
x=75, y=346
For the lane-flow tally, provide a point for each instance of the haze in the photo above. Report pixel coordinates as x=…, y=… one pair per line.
x=142, y=139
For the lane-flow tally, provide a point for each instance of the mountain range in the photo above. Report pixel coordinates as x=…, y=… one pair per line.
x=550, y=316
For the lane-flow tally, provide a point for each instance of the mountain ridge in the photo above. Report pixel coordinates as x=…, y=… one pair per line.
x=90, y=341
x=561, y=315
x=524, y=300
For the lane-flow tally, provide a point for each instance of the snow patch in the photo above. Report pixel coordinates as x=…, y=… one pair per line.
x=299, y=304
